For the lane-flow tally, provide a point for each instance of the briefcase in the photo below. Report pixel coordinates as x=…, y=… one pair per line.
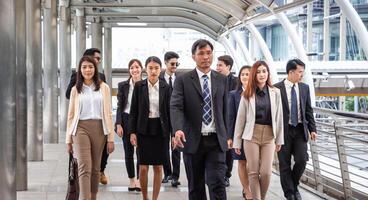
x=73, y=185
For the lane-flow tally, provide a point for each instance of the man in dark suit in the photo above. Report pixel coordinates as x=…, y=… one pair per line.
x=96, y=54
x=199, y=121
x=224, y=65
x=169, y=75
x=299, y=125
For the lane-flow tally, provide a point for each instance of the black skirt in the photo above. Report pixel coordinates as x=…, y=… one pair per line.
x=152, y=147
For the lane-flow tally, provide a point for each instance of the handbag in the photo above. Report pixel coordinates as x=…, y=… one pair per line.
x=73, y=185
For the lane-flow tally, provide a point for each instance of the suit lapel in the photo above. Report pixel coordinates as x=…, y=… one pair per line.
x=252, y=106
x=213, y=84
x=161, y=93
x=284, y=96
x=145, y=93
x=195, y=81
x=302, y=100
x=272, y=101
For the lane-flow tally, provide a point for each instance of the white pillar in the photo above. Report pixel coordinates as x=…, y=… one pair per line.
x=342, y=49
x=326, y=30
x=80, y=26
x=107, y=58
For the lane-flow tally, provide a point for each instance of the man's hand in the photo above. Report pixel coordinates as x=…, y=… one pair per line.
x=313, y=136
x=237, y=151
x=230, y=143
x=133, y=139
x=179, y=139
x=119, y=130
x=110, y=147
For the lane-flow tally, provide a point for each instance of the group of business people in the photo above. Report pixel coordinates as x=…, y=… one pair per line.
x=194, y=115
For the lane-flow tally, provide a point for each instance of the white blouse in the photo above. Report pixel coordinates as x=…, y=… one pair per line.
x=91, y=103
x=154, y=98
x=130, y=94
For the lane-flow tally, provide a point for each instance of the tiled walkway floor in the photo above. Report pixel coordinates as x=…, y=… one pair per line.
x=48, y=180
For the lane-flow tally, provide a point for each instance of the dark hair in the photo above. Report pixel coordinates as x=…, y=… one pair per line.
x=91, y=52
x=200, y=44
x=153, y=59
x=239, y=84
x=252, y=82
x=80, y=78
x=170, y=54
x=228, y=60
x=131, y=62
x=292, y=64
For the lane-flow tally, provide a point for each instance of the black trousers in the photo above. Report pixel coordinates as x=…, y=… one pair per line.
x=295, y=145
x=229, y=163
x=208, y=166
x=174, y=172
x=129, y=149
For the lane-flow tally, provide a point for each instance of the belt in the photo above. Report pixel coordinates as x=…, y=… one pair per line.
x=208, y=133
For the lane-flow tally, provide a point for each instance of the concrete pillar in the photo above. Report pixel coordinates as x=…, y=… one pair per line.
x=50, y=72
x=326, y=30
x=80, y=26
x=8, y=99
x=34, y=80
x=107, y=51
x=65, y=64
x=21, y=95
x=96, y=30
x=309, y=27
x=342, y=37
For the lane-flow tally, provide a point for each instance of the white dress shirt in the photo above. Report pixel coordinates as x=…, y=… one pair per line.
x=154, y=99
x=130, y=94
x=91, y=103
x=211, y=126
x=288, y=86
x=167, y=78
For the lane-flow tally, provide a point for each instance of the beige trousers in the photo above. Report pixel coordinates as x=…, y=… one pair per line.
x=259, y=152
x=89, y=142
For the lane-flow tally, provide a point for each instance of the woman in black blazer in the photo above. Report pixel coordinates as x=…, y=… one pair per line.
x=149, y=124
x=125, y=93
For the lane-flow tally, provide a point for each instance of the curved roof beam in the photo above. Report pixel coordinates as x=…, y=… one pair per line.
x=171, y=25
x=225, y=6
x=189, y=5
x=167, y=19
x=216, y=27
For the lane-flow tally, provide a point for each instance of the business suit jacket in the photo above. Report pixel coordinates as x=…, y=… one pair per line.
x=123, y=93
x=246, y=118
x=231, y=82
x=187, y=107
x=233, y=105
x=139, y=109
x=305, y=106
x=73, y=81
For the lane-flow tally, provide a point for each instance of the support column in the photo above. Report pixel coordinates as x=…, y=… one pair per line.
x=21, y=95
x=34, y=80
x=326, y=30
x=65, y=63
x=107, y=51
x=230, y=49
x=242, y=46
x=80, y=26
x=96, y=30
x=309, y=27
x=7, y=99
x=50, y=72
x=342, y=49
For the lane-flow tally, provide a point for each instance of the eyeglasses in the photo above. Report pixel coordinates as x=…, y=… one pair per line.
x=97, y=58
x=175, y=64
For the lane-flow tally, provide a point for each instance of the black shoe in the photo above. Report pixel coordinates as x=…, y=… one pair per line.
x=175, y=182
x=290, y=197
x=166, y=179
x=227, y=182
x=131, y=189
x=137, y=189
x=298, y=196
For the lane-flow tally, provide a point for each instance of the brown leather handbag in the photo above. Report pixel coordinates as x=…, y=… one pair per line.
x=73, y=185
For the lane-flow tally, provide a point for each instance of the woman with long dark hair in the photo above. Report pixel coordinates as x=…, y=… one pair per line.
x=125, y=93
x=259, y=125
x=89, y=124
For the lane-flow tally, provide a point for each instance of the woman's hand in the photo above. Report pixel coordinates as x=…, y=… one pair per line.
x=229, y=143
x=237, y=151
x=110, y=147
x=278, y=147
x=133, y=139
x=69, y=148
x=119, y=130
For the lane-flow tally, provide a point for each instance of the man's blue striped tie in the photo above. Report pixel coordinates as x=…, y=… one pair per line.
x=207, y=112
x=294, y=107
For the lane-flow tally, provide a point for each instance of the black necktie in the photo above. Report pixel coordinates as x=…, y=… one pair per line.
x=170, y=82
x=294, y=107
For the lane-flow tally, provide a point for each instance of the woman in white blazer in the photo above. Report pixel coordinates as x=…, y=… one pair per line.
x=259, y=124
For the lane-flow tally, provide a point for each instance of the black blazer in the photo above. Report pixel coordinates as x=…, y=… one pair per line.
x=73, y=81
x=231, y=82
x=305, y=106
x=139, y=109
x=186, y=108
x=233, y=105
x=123, y=92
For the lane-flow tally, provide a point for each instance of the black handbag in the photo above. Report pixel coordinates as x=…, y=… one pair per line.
x=73, y=186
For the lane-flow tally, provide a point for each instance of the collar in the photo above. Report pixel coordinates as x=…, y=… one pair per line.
x=92, y=86
x=200, y=74
x=263, y=91
x=168, y=76
x=131, y=82
x=289, y=83
x=156, y=85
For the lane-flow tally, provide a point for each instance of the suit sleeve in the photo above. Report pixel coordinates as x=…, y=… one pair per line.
x=102, y=77
x=241, y=119
x=279, y=120
x=177, y=106
x=309, y=113
x=133, y=115
x=232, y=115
x=225, y=111
x=119, y=104
x=168, y=97
x=73, y=80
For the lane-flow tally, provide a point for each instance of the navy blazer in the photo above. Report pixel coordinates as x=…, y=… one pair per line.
x=123, y=93
x=305, y=106
x=139, y=109
x=186, y=108
x=233, y=105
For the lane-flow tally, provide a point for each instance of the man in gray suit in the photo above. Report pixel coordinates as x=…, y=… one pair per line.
x=199, y=118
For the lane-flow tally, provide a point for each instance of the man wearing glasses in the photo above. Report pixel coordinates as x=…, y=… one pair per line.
x=96, y=54
x=169, y=75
